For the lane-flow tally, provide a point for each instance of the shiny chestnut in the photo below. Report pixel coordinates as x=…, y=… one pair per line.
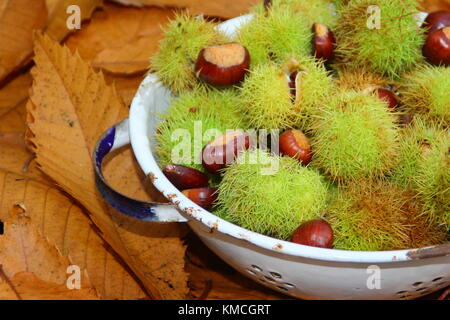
x=222, y=151
x=184, y=177
x=204, y=197
x=323, y=42
x=388, y=96
x=437, y=47
x=294, y=144
x=315, y=233
x=436, y=20
x=223, y=65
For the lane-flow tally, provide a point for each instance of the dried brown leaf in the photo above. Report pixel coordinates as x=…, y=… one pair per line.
x=14, y=155
x=26, y=286
x=72, y=106
x=16, y=158
x=67, y=227
x=14, y=93
x=219, y=8
x=436, y=5
x=18, y=19
x=58, y=16
x=212, y=279
x=120, y=40
x=23, y=248
x=126, y=86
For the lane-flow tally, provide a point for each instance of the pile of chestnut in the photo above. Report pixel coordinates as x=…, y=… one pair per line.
x=227, y=64
x=214, y=69
x=222, y=151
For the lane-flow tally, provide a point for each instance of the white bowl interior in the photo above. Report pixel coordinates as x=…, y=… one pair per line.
x=153, y=99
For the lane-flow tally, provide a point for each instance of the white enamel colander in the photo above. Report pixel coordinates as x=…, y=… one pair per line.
x=294, y=269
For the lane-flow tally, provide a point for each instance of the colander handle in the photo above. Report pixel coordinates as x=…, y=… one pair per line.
x=116, y=137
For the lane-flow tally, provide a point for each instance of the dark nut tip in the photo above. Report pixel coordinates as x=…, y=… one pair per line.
x=388, y=96
x=204, y=197
x=436, y=20
x=323, y=42
x=184, y=177
x=315, y=233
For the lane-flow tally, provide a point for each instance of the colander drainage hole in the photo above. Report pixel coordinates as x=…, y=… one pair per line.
x=269, y=279
x=403, y=294
x=282, y=288
x=275, y=275
x=437, y=279
x=421, y=289
x=256, y=268
x=253, y=273
x=417, y=284
x=289, y=285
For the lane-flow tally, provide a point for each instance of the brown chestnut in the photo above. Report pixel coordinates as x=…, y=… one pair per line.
x=223, y=65
x=222, y=151
x=184, y=177
x=323, y=42
x=388, y=96
x=204, y=197
x=292, y=84
x=436, y=20
x=315, y=233
x=437, y=47
x=294, y=144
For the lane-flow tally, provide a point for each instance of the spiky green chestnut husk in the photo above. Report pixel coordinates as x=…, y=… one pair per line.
x=204, y=102
x=380, y=216
x=274, y=203
x=319, y=11
x=339, y=3
x=275, y=36
x=360, y=80
x=194, y=119
x=314, y=88
x=266, y=101
x=390, y=50
x=355, y=137
x=184, y=37
x=426, y=91
x=424, y=166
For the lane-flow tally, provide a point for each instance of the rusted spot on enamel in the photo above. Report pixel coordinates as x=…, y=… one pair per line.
x=214, y=227
x=278, y=247
x=152, y=177
x=189, y=211
x=432, y=252
x=171, y=196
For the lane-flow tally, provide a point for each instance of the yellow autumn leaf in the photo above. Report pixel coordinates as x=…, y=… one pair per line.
x=69, y=229
x=64, y=14
x=71, y=107
x=121, y=40
x=26, y=286
x=18, y=19
x=218, y=8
